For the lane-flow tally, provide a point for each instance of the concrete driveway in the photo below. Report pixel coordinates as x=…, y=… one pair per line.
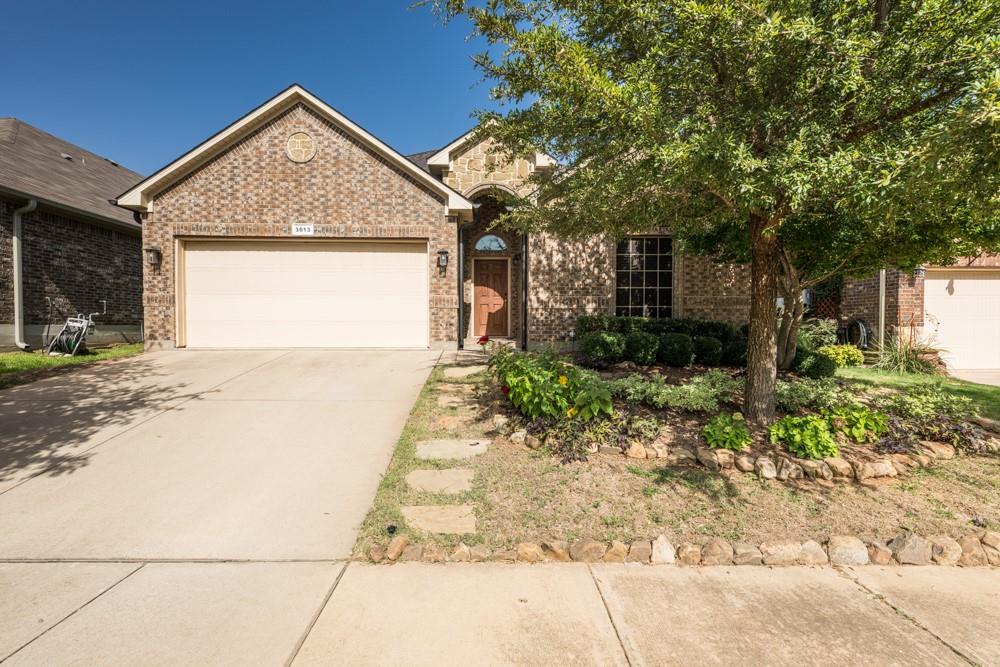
x=981, y=377
x=188, y=455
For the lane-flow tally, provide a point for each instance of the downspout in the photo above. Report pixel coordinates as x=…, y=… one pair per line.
x=18, y=287
x=461, y=286
x=881, y=311
x=524, y=291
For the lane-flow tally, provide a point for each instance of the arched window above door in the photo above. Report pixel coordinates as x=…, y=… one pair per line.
x=491, y=243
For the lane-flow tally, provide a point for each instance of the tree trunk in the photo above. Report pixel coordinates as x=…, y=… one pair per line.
x=791, y=317
x=758, y=401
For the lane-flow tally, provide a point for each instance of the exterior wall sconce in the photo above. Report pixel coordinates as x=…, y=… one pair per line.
x=442, y=259
x=153, y=255
x=920, y=272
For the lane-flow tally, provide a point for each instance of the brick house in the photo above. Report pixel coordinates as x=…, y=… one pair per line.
x=955, y=308
x=294, y=226
x=76, y=248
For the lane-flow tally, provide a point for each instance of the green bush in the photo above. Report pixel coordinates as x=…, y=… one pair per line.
x=676, y=349
x=925, y=403
x=815, y=333
x=603, y=347
x=641, y=347
x=858, y=423
x=807, y=437
x=707, y=350
x=627, y=325
x=547, y=385
x=842, y=355
x=815, y=366
x=586, y=324
x=808, y=394
x=727, y=432
x=931, y=413
x=734, y=353
x=702, y=394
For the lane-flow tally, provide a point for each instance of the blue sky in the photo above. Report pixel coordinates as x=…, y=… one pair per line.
x=142, y=82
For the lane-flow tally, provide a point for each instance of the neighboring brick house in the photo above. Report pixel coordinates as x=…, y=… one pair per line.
x=955, y=308
x=294, y=226
x=77, y=248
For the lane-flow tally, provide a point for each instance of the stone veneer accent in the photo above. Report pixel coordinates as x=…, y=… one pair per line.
x=253, y=190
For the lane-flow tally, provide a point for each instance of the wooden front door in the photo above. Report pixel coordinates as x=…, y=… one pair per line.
x=490, y=297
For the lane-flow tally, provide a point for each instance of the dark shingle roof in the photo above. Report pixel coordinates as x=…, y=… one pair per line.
x=420, y=159
x=34, y=163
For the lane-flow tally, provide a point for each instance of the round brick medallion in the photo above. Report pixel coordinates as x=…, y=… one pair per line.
x=300, y=147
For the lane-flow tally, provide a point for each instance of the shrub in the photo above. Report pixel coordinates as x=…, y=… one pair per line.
x=570, y=439
x=808, y=394
x=807, y=437
x=842, y=355
x=707, y=350
x=676, y=349
x=858, y=423
x=815, y=366
x=925, y=403
x=930, y=413
x=603, y=347
x=734, y=353
x=641, y=347
x=546, y=385
x=586, y=324
x=727, y=432
x=816, y=333
x=905, y=352
x=627, y=325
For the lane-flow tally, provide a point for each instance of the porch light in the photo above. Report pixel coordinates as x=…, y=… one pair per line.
x=442, y=259
x=920, y=272
x=153, y=255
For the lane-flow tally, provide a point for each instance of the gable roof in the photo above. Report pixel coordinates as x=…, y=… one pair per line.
x=442, y=158
x=35, y=164
x=420, y=159
x=140, y=196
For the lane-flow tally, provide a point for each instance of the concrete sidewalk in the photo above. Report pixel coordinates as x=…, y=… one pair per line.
x=494, y=614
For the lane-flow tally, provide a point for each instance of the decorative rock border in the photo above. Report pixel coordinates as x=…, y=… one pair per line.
x=770, y=465
x=839, y=550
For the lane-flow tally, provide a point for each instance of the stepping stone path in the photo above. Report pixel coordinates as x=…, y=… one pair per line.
x=451, y=480
x=446, y=519
x=458, y=372
x=451, y=449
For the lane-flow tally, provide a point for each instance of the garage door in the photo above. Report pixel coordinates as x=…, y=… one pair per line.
x=963, y=316
x=308, y=294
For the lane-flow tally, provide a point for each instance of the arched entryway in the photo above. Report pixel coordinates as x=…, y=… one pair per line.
x=493, y=272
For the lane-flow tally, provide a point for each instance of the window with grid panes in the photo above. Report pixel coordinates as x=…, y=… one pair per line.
x=644, y=276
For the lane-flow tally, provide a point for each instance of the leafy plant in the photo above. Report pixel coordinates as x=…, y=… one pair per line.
x=603, y=347
x=817, y=333
x=808, y=437
x=707, y=350
x=586, y=324
x=641, y=347
x=676, y=349
x=858, y=423
x=726, y=431
x=842, y=355
x=547, y=385
x=814, y=365
x=905, y=352
x=702, y=394
x=927, y=402
x=931, y=413
x=734, y=353
x=809, y=394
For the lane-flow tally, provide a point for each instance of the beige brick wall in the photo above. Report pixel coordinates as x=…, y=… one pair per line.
x=253, y=190
x=706, y=290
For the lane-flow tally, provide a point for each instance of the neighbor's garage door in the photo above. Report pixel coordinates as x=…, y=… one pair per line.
x=305, y=294
x=963, y=316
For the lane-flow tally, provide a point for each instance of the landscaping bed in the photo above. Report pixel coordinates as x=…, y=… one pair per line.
x=619, y=456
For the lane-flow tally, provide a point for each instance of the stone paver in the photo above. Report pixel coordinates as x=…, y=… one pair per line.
x=461, y=614
x=190, y=614
x=758, y=616
x=446, y=519
x=451, y=480
x=458, y=372
x=959, y=605
x=451, y=401
x=451, y=449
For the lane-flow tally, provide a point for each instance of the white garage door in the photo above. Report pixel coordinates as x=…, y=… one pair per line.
x=308, y=294
x=963, y=316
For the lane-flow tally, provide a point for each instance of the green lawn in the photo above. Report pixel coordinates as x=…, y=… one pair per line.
x=18, y=367
x=987, y=397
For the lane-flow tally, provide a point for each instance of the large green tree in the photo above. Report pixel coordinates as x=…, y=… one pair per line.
x=768, y=123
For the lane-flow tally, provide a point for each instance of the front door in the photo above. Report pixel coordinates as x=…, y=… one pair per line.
x=490, y=297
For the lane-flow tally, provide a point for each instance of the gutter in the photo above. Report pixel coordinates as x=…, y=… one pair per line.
x=461, y=285
x=18, y=279
x=524, y=291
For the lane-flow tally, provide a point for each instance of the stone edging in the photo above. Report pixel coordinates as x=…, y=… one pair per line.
x=904, y=549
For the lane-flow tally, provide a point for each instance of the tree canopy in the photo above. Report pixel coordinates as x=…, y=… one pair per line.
x=764, y=127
